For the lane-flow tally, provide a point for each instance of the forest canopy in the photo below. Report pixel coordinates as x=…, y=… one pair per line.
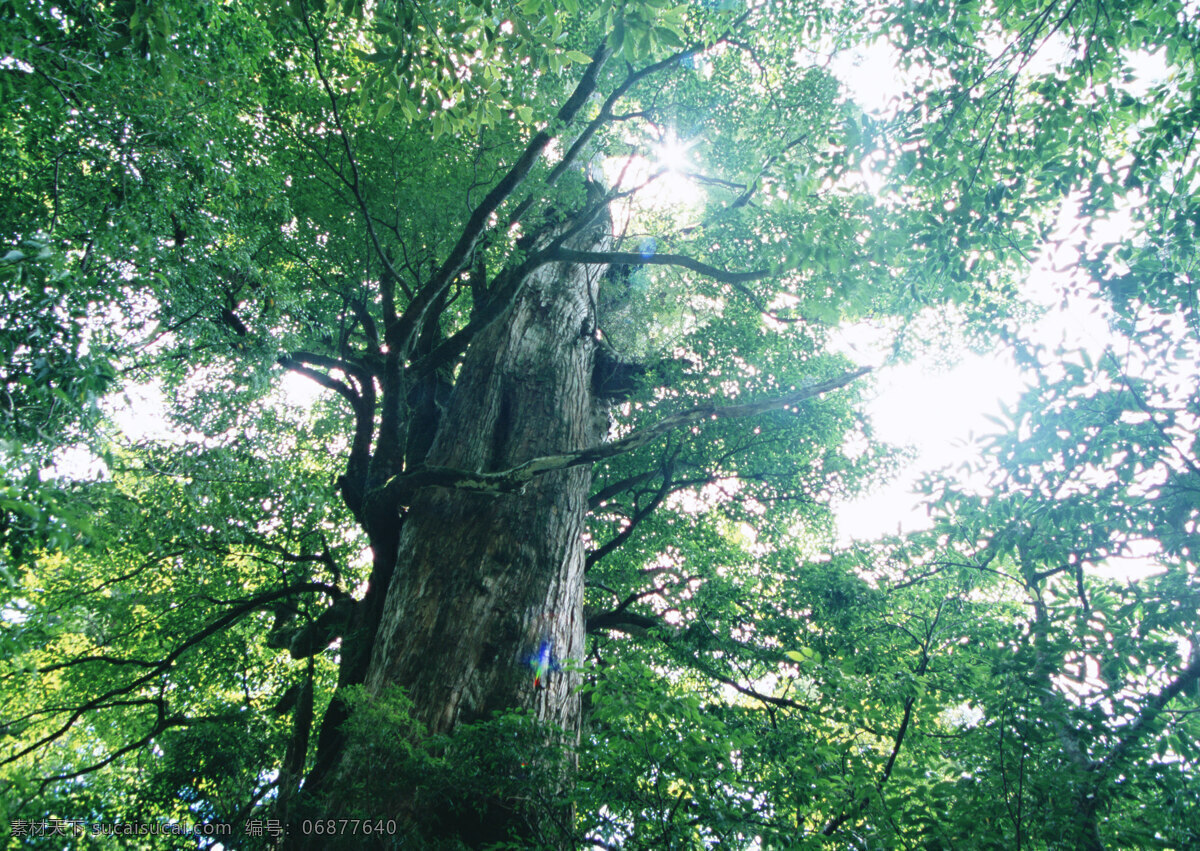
x=432, y=419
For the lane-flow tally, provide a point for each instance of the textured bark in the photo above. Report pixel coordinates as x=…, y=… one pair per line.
x=480, y=580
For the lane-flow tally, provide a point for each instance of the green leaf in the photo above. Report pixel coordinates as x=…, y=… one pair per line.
x=668, y=36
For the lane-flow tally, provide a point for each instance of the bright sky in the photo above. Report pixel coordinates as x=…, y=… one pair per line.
x=937, y=412
x=941, y=412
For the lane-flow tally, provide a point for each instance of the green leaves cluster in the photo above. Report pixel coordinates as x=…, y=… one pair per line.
x=195, y=191
x=501, y=759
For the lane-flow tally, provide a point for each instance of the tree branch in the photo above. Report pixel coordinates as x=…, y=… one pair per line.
x=506, y=287
x=401, y=335
x=623, y=536
x=898, y=740
x=399, y=488
x=630, y=622
x=737, y=280
x=1154, y=707
x=595, y=124
x=618, y=487
x=629, y=258
x=101, y=701
x=296, y=365
x=355, y=183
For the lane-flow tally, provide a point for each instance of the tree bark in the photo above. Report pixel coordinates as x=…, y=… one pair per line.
x=482, y=581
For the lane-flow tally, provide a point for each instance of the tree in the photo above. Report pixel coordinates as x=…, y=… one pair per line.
x=567, y=418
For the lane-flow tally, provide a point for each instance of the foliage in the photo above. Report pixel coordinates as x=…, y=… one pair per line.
x=200, y=198
x=55, y=375
x=507, y=757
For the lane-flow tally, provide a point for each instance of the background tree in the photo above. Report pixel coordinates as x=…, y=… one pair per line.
x=570, y=281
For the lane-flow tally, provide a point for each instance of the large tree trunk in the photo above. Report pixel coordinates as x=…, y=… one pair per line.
x=482, y=581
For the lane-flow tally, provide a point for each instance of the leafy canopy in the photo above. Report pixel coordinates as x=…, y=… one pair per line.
x=200, y=197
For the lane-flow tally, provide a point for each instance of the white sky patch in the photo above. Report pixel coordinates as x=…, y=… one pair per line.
x=870, y=72
x=297, y=391
x=1149, y=70
x=664, y=187
x=140, y=412
x=674, y=154
x=1139, y=561
x=962, y=716
x=76, y=463
x=940, y=413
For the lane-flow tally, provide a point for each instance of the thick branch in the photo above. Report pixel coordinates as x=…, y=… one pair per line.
x=629, y=258
x=326, y=381
x=589, y=132
x=608, y=492
x=505, y=289
x=622, y=621
x=737, y=280
x=363, y=405
x=400, y=487
x=368, y=323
